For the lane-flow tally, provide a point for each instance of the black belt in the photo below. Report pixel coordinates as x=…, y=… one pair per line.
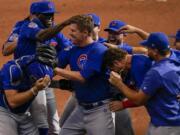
x=89, y=106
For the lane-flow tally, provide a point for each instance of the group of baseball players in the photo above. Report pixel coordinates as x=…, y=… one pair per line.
x=106, y=77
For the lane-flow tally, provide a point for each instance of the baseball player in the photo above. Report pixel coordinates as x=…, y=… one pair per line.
x=21, y=80
x=159, y=91
x=96, y=30
x=132, y=67
x=91, y=115
x=72, y=102
x=39, y=30
x=177, y=39
x=38, y=105
x=116, y=38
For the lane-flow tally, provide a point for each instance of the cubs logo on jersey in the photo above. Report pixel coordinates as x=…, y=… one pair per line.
x=82, y=61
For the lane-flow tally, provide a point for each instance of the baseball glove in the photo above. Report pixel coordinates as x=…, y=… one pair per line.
x=46, y=54
x=62, y=84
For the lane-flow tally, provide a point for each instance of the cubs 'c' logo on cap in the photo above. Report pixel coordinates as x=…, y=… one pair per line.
x=82, y=61
x=113, y=23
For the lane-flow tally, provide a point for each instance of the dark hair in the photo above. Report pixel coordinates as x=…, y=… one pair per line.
x=84, y=22
x=111, y=55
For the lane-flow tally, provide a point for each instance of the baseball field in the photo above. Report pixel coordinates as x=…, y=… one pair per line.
x=150, y=15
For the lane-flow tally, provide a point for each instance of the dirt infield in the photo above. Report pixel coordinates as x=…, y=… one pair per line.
x=147, y=14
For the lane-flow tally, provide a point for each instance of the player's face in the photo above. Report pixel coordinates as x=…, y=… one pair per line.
x=76, y=36
x=115, y=37
x=47, y=19
x=96, y=32
x=119, y=65
x=152, y=53
x=177, y=44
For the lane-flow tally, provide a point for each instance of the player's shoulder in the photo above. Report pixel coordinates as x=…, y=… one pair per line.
x=141, y=57
x=98, y=46
x=21, y=22
x=142, y=61
x=25, y=60
x=13, y=70
x=102, y=40
x=7, y=65
x=11, y=73
x=30, y=24
x=97, y=49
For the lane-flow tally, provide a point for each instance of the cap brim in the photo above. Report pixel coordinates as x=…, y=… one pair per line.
x=144, y=43
x=110, y=29
x=50, y=12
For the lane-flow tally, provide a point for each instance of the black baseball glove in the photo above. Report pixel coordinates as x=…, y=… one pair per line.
x=62, y=84
x=46, y=54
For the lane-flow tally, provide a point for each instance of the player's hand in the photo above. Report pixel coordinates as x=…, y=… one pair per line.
x=68, y=21
x=128, y=29
x=71, y=19
x=115, y=79
x=109, y=45
x=57, y=71
x=116, y=106
x=42, y=83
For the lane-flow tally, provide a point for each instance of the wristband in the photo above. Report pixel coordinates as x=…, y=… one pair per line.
x=128, y=104
x=33, y=92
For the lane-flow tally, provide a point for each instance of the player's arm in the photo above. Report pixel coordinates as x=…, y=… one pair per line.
x=118, y=105
x=137, y=97
x=16, y=99
x=127, y=48
x=131, y=29
x=48, y=33
x=8, y=48
x=139, y=50
x=109, y=45
x=10, y=45
x=70, y=75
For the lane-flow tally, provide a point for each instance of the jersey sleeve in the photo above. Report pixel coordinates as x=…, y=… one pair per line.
x=64, y=56
x=15, y=33
x=94, y=62
x=126, y=47
x=140, y=65
x=30, y=30
x=62, y=41
x=152, y=82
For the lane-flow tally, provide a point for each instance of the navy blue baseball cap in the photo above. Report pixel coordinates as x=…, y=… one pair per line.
x=42, y=7
x=157, y=40
x=177, y=36
x=115, y=25
x=96, y=19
